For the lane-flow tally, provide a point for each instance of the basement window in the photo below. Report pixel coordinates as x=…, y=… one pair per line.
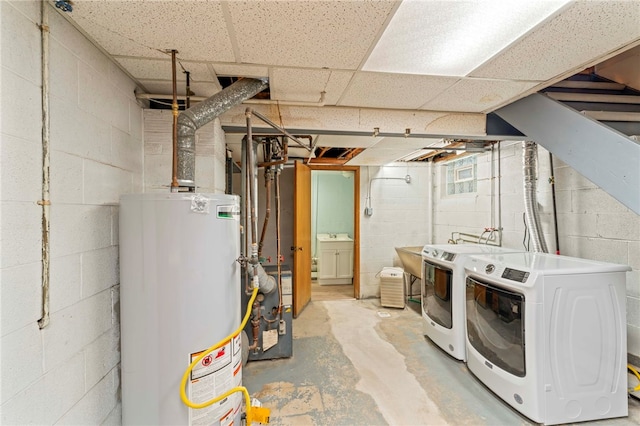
x=461, y=176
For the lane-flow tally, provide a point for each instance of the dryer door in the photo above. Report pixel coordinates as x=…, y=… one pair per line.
x=436, y=295
x=495, y=326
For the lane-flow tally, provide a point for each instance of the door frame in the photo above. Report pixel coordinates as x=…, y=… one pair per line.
x=356, y=218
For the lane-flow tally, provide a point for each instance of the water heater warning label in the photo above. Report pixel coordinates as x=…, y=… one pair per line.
x=214, y=375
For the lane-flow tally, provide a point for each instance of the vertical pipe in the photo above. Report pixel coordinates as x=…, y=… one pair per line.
x=174, y=108
x=253, y=197
x=493, y=188
x=499, y=194
x=267, y=209
x=552, y=179
x=188, y=94
x=45, y=202
x=279, y=267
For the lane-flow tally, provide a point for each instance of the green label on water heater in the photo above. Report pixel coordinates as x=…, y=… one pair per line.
x=228, y=212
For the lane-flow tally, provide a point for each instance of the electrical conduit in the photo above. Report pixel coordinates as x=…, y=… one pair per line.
x=45, y=202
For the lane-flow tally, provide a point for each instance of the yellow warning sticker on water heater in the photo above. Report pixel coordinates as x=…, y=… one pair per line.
x=213, y=375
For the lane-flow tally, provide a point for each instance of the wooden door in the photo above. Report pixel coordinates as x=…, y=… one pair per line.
x=301, y=238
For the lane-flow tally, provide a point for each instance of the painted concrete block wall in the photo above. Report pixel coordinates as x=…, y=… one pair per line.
x=67, y=373
x=210, y=154
x=399, y=219
x=591, y=224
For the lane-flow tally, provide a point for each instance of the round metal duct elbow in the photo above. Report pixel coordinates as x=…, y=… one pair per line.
x=531, y=214
x=192, y=119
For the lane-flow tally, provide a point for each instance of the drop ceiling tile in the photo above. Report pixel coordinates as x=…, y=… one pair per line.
x=576, y=38
x=332, y=34
x=164, y=87
x=478, y=95
x=402, y=91
x=148, y=28
x=241, y=70
x=422, y=122
x=306, y=85
x=154, y=69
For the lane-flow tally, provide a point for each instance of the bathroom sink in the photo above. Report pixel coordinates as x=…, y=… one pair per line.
x=334, y=237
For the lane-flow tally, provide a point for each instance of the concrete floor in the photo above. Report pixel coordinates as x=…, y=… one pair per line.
x=357, y=363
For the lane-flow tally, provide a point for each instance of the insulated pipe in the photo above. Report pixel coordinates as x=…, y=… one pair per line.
x=206, y=111
x=532, y=217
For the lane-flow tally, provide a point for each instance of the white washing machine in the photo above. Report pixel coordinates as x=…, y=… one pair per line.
x=547, y=334
x=443, y=293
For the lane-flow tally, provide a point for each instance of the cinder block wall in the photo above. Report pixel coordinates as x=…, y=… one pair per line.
x=591, y=224
x=399, y=219
x=69, y=371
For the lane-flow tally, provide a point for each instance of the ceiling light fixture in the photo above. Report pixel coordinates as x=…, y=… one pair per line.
x=452, y=38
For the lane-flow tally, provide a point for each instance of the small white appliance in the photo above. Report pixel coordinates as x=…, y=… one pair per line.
x=443, y=293
x=392, y=287
x=547, y=334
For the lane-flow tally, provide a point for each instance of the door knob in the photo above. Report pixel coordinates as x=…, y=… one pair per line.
x=294, y=248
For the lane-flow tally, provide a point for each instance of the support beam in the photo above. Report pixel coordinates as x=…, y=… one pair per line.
x=604, y=156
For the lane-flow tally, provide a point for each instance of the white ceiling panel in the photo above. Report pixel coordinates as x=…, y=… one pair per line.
x=241, y=70
x=433, y=122
x=292, y=84
x=402, y=91
x=576, y=38
x=155, y=69
x=322, y=34
x=478, y=95
x=146, y=28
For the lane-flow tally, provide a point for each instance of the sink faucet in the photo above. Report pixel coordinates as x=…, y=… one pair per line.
x=333, y=235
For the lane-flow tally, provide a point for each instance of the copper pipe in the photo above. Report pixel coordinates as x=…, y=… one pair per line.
x=285, y=158
x=174, y=108
x=267, y=212
x=255, y=326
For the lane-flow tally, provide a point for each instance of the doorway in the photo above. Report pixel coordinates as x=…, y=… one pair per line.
x=334, y=236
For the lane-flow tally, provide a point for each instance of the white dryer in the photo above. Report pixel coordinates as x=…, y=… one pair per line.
x=443, y=293
x=547, y=334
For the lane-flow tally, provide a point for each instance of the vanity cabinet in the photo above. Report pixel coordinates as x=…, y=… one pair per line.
x=335, y=260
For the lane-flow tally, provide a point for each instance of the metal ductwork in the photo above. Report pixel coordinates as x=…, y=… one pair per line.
x=206, y=111
x=531, y=215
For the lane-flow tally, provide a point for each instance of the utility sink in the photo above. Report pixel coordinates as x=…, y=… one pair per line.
x=334, y=237
x=411, y=258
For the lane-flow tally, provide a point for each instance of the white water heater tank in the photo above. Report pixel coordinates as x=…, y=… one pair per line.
x=179, y=294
